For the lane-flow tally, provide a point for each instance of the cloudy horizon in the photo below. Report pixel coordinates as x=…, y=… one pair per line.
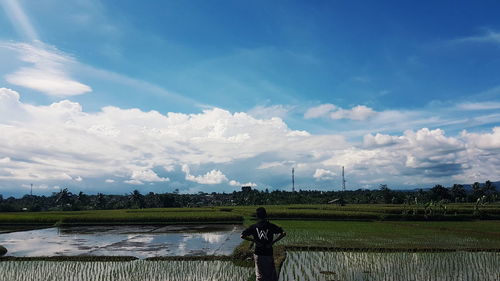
x=97, y=97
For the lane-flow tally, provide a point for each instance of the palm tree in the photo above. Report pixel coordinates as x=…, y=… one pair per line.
x=137, y=199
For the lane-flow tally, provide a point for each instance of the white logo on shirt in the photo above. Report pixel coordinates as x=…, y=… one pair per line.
x=262, y=234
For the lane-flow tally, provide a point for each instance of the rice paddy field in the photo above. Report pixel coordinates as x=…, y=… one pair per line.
x=133, y=216
x=139, y=270
x=372, y=212
x=323, y=242
x=360, y=266
x=390, y=235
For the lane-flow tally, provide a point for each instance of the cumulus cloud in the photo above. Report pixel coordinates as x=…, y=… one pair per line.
x=484, y=141
x=138, y=177
x=379, y=140
x=322, y=174
x=212, y=177
x=237, y=183
x=422, y=156
x=60, y=143
x=48, y=70
x=358, y=113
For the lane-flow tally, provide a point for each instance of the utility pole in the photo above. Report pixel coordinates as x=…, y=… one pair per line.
x=32, y=199
x=293, y=180
x=343, y=179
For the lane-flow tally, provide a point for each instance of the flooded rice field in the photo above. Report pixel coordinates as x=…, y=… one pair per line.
x=139, y=241
x=368, y=266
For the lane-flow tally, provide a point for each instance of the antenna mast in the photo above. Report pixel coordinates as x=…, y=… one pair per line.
x=293, y=180
x=343, y=179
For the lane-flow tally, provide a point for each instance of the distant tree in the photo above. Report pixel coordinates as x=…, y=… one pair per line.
x=137, y=199
x=152, y=200
x=100, y=201
x=439, y=192
x=167, y=200
x=489, y=190
x=458, y=192
x=477, y=191
x=387, y=194
x=63, y=198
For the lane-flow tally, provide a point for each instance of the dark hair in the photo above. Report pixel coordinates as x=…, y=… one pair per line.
x=261, y=213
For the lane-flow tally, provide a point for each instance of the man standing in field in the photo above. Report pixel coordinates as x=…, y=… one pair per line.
x=262, y=234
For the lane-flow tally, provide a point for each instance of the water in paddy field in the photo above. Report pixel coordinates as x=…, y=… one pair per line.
x=363, y=266
x=139, y=241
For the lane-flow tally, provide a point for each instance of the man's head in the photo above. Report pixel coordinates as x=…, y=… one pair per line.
x=261, y=213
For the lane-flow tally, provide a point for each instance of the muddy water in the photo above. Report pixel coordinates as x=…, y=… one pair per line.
x=139, y=241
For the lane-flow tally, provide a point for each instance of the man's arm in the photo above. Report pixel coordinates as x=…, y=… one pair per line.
x=282, y=234
x=248, y=238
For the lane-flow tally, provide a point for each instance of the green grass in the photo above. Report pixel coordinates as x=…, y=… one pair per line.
x=146, y=216
x=375, y=212
x=392, y=235
x=388, y=212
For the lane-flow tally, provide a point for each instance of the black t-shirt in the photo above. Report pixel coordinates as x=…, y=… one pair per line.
x=263, y=232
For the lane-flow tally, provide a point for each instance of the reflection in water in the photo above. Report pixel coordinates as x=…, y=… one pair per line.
x=139, y=241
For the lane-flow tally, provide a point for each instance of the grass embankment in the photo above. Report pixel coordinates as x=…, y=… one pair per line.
x=143, y=216
x=375, y=212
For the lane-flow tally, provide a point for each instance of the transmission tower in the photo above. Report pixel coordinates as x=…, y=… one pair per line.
x=293, y=180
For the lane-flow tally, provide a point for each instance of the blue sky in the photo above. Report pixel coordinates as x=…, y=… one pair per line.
x=188, y=94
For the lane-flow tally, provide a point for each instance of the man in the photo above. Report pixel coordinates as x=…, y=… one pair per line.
x=262, y=234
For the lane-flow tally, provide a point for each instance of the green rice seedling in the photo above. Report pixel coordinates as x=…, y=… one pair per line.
x=363, y=266
x=123, y=271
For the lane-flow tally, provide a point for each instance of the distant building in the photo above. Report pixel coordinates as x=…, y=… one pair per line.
x=246, y=188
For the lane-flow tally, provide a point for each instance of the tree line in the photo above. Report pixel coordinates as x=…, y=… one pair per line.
x=66, y=200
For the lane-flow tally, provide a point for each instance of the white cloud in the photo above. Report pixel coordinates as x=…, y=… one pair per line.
x=212, y=177
x=61, y=142
x=479, y=105
x=147, y=175
x=267, y=112
x=488, y=36
x=322, y=174
x=359, y=113
x=319, y=111
x=19, y=19
x=48, y=71
x=274, y=164
x=237, y=183
x=484, y=141
x=379, y=140
x=134, y=182
x=4, y=160
x=109, y=181
x=78, y=179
